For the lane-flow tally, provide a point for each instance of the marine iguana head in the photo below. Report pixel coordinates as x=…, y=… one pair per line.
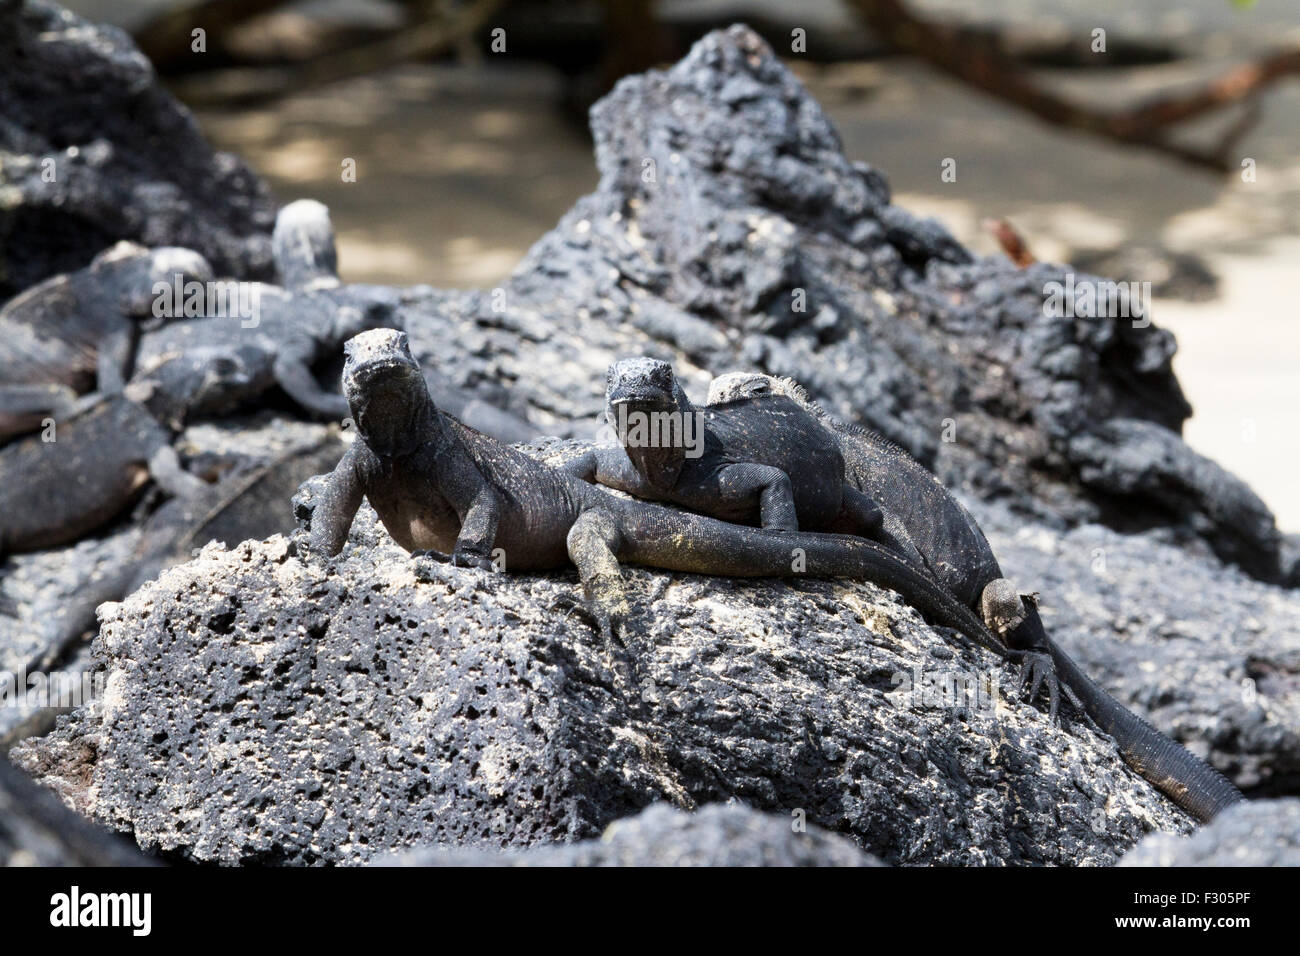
x=386, y=392
x=302, y=245
x=644, y=403
x=738, y=386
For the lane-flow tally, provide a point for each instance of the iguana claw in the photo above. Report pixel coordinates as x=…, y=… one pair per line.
x=612, y=625
x=613, y=628
x=432, y=555
x=457, y=559
x=465, y=559
x=1037, y=669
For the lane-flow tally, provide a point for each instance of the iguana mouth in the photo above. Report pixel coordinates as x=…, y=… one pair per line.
x=640, y=394
x=381, y=369
x=377, y=367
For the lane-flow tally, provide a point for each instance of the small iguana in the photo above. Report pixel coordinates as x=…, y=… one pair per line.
x=76, y=333
x=439, y=486
x=956, y=553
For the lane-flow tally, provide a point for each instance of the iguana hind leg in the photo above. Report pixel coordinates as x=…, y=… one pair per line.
x=593, y=544
x=1006, y=612
x=860, y=515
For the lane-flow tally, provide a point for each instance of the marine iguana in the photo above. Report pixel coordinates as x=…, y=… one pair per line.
x=736, y=462
x=439, y=486
x=291, y=330
x=957, y=554
x=77, y=332
x=103, y=456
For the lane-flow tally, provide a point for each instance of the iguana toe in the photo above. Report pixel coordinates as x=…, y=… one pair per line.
x=432, y=555
x=1038, y=671
x=465, y=559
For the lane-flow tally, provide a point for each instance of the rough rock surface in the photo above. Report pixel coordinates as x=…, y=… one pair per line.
x=56, y=592
x=1264, y=833
x=661, y=835
x=261, y=709
x=730, y=231
x=94, y=149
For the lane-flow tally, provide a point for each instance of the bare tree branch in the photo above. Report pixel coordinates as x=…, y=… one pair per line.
x=982, y=66
x=428, y=37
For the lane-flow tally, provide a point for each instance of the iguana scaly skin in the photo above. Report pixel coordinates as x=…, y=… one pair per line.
x=955, y=551
x=740, y=463
x=439, y=486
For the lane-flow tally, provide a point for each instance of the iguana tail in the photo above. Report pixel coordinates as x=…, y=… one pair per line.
x=677, y=541
x=1185, y=778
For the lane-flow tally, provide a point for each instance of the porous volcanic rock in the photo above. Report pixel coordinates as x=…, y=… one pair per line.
x=1201, y=650
x=260, y=708
x=1262, y=833
x=729, y=231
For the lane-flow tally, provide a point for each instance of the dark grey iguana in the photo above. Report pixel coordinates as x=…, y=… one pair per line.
x=439, y=486
x=744, y=462
x=281, y=335
x=956, y=553
x=76, y=333
x=57, y=486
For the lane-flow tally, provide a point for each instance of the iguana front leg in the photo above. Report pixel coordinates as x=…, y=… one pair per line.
x=609, y=467
x=116, y=356
x=1005, y=611
x=478, y=531
x=593, y=543
x=741, y=481
x=293, y=374
x=332, y=517
x=165, y=468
